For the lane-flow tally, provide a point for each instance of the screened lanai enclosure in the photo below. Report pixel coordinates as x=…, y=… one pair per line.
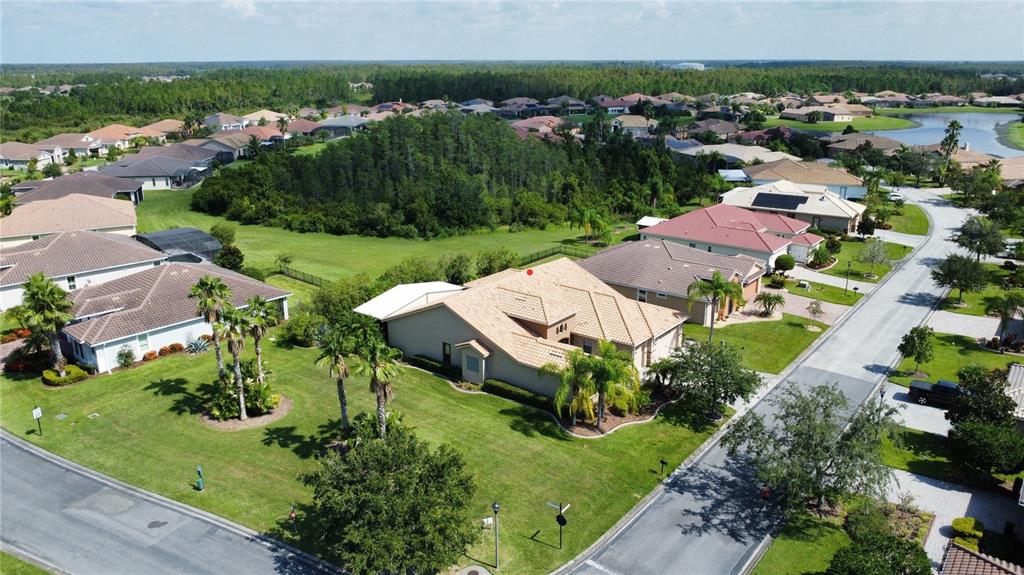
x=182, y=244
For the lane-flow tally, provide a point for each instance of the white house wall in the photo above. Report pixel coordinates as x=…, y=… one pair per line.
x=104, y=356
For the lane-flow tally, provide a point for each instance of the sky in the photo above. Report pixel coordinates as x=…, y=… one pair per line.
x=86, y=31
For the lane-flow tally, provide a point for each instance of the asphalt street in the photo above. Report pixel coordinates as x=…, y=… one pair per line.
x=72, y=520
x=708, y=518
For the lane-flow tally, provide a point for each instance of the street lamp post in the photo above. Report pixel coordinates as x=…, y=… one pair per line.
x=495, y=507
x=847, y=287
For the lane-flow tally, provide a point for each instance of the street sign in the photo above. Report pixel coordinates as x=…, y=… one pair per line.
x=560, y=518
x=37, y=413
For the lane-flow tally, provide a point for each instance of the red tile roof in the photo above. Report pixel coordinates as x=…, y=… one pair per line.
x=727, y=225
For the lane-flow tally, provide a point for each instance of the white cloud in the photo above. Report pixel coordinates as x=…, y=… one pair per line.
x=245, y=8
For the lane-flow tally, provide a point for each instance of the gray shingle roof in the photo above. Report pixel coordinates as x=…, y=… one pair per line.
x=152, y=299
x=666, y=267
x=88, y=183
x=185, y=152
x=70, y=253
x=134, y=166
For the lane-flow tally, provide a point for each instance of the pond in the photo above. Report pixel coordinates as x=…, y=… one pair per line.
x=980, y=131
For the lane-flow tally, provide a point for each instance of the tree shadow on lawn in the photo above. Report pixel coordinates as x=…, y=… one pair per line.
x=532, y=422
x=188, y=402
x=684, y=414
x=302, y=533
x=305, y=446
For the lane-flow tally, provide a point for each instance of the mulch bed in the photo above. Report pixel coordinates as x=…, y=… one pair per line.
x=612, y=421
x=280, y=411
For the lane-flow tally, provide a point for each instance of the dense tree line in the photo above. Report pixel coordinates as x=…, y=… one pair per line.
x=446, y=174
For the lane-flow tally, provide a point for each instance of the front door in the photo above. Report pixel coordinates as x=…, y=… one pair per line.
x=446, y=352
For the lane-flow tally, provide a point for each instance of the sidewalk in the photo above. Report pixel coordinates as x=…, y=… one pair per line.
x=900, y=238
x=803, y=273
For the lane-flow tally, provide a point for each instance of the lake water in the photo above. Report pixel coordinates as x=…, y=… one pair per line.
x=979, y=131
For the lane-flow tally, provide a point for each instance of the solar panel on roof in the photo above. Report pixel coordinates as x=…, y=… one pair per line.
x=778, y=201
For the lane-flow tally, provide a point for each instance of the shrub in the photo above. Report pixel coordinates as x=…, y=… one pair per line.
x=149, y=356
x=619, y=406
x=967, y=543
x=968, y=527
x=73, y=374
x=165, y=350
x=207, y=338
x=304, y=328
x=833, y=245
x=518, y=394
x=784, y=263
x=176, y=347
x=255, y=273
x=868, y=520
x=777, y=282
x=8, y=337
x=125, y=356
x=22, y=333
x=197, y=346
x=434, y=366
x=222, y=401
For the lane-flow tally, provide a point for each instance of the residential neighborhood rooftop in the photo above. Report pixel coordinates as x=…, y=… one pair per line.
x=68, y=213
x=67, y=253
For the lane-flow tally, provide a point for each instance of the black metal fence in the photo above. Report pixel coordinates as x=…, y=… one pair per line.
x=571, y=251
x=303, y=276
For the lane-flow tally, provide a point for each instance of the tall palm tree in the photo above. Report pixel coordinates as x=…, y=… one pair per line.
x=378, y=362
x=715, y=290
x=262, y=317
x=48, y=312
x=282, y=125
x=575, y=384
x=234, y=325
x=336, y=345
x=612, y=371
x=254, y=147
x=1006, y=308
x=212, y=296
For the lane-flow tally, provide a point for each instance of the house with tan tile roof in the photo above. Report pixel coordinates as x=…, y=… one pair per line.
x=1011, y=171
x=83, y=145
x=661, y=272
x=35, y=220
x=812, y=203
x=17, y=155
x=169, y=126
x=729, y=230
x=120, y=136
x=842, y=183
x=508, y=325
x=269, y=117
x=73, y=260
x=149, y=310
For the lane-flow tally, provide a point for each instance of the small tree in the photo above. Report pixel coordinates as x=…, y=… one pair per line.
x=985, y=398
x=715, y=291
x=814, y=451
x=494, y=261
x=769, y=301
x=613, y=374
x=962, y=273
x=575, y=385
x=457, y=269
x=52, y=170
x=70, y=158
x=1006, y=307
x=917, y=344
x=709, y=374
x=881, y=554
x=873, y=254
x=814, y=310
x=230, y=257
x=394, y=506
x=986, y=448
x=49, y=310
x=866, y=226
x=32, y=166
x=784, y=263
x=821, y=256
x=981, y=236
x=224, y=232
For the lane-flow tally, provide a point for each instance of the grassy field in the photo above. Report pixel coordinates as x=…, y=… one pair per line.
x=766, y=346
x=926, y=454
x=951, y=353
x=911, y=220
x=861, y=124
x=805, y=545
x=857, y=269
x=974, y=303
x=147, y=432
x=302, y=292
x=311, y=149
x=335, y=257
x=941, y=110
x=824, y=292
x=1013, y=135
x=11, y=565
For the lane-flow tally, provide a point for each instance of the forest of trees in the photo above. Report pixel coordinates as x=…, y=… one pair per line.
x=445, y=174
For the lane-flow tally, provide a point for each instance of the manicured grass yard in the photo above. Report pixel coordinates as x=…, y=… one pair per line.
x=861, y=124
x=940, y=110
x=911, y=220
x=1013, y=135
x=336, y=257
x=148, y=433
x=805, y=545
x=311, y=149
x=302, y=292
x=766, y=346
x=824, y=292
x=974, y=303
x=11, y=565
x=850, y=252
x=926, y=454
x=951, y=353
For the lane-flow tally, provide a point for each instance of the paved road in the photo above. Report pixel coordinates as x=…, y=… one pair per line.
x=706, y=519
x=72, y=520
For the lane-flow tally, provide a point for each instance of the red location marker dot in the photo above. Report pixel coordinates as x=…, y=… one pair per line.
x=529, y=272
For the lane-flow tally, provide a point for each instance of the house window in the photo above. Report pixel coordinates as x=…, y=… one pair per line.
x=709, y=249
x=588, y=346
x=446, y=352
x=693, y=245
x=71, y=283
x=661, y=295
x=641, y=295
x=473, y=363
x=144, y=342
x=35, y=237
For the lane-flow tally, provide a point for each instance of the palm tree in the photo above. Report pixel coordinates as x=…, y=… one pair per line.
x=254, y=147
x=951, y=141
x=282, y=125
x=335, y=346
x=612, y=371
x=1006, y=308
x=588, y=219
x=212, y=296
x=715, y=290
x=262, y=317
x=769, y=301
x=234, y=324
x=575, y=384
x=48, y=312
x=379, y=363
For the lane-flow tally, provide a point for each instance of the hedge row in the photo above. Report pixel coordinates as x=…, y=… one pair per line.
x=73, y=374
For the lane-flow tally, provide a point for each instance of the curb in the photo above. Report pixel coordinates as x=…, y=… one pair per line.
x=308, y=559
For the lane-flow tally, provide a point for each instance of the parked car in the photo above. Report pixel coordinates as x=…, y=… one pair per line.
x=941, y=394
x=895, y=196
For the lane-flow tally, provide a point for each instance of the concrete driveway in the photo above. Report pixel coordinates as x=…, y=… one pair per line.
x=797, y=305
x=803, y=273
x=915, y=416
x=977, y=327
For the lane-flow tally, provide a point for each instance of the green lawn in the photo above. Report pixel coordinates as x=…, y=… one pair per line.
x=336, y=257
x=302, y=292
x=941, y=110
x=974, y=303
x=825, y=292
x=910, y=220
x=1013, y=135
x=766, y=346
x=311, y=149
x=926, y=454
x=857, y=269
x=805, y=545
x=11, y=565
x=951, y=353
x=147, y=433
x=861, y=124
